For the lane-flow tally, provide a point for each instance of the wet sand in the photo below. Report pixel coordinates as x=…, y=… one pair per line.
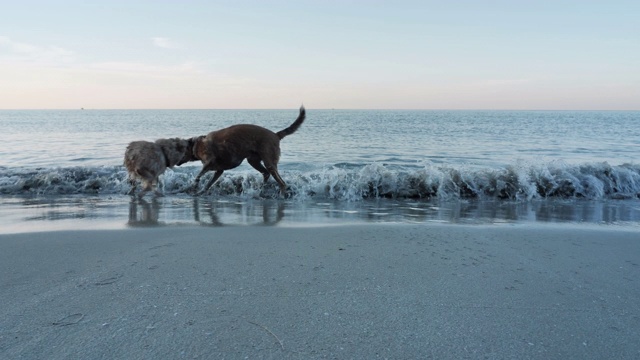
x=359, y=291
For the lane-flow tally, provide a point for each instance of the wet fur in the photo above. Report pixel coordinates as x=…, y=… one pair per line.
x=227, y=148
x=146, y=161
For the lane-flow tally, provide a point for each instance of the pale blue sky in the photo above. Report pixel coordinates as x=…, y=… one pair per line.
x=327, y=54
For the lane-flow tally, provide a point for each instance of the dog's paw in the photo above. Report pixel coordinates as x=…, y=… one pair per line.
x=287, y=194
x=197, y=192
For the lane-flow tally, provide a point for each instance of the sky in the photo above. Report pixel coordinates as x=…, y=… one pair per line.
x=349, y=54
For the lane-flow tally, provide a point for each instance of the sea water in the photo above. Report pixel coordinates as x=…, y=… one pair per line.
x=63, y=168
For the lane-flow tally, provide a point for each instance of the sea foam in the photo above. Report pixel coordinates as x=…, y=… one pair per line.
x=520, y=181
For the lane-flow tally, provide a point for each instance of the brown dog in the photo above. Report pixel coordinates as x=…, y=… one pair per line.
x=227, y=148
x=146, y=161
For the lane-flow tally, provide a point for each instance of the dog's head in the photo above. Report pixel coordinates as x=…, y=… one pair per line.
x=175, y=150
x=190, y=153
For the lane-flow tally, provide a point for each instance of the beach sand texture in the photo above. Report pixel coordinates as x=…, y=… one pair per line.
x=343, y=292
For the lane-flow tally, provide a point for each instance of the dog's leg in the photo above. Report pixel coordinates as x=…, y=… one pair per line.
x=196, y=182
x=215, y=177
x=255, y=163
x=283, y=186
x=147, y=179
x=271, y=163
x=147, y=187
x=157, y=191
x=133, y=183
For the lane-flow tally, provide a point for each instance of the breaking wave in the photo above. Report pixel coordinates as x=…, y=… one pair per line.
x=520, y=181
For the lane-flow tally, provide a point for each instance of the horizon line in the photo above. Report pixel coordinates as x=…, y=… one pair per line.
x=280, y=109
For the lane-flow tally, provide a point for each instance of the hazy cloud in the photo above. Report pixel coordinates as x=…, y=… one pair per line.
x=165, y=43
x=147, y=69
x=20, y=54
x=507, y=82
x=14, y=51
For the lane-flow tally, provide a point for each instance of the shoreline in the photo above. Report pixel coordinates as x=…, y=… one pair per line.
x=352, y=291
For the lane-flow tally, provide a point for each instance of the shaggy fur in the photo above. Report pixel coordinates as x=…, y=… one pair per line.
x=227, y=148
x=146, y=161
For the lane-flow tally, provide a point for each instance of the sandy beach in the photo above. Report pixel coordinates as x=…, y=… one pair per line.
x=343, y=292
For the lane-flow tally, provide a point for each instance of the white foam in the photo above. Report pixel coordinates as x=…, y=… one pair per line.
x=521, y=181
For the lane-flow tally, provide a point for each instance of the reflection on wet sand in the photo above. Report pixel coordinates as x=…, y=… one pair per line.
x=216, y=212
x=143, y=213
x=35, y=213
x=483, y=212
x=206, y=212
x=271, y=212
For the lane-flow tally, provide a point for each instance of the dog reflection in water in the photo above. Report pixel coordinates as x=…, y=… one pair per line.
x=207, y=213
x=143, y=213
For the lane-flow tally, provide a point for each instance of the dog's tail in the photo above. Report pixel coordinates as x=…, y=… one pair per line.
x=293, y=127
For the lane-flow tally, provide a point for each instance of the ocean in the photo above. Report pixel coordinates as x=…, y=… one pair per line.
x=62, y=169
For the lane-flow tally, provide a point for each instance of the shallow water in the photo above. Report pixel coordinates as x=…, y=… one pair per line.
x=27, y=214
